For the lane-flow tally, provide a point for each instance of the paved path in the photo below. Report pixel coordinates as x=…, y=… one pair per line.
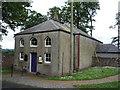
x=39, y=81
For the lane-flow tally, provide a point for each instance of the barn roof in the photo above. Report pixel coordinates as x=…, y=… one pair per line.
x=107, y=48
x=50, y=26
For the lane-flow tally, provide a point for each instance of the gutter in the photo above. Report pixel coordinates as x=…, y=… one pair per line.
x=58, y=30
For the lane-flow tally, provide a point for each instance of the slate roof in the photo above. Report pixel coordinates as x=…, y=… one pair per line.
x=107, y=48
x=51, y=25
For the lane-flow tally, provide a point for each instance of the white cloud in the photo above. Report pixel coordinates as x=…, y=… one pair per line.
x=104, y=19
x=42, y=6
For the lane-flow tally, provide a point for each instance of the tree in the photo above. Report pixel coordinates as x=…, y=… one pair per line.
x=54, y=13
x=33, y=19
x=83, y=14
x=116, y=40
x=17, y=14
x=14, y=13
x=91, y=8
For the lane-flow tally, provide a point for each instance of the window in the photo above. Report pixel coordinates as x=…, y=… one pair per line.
x=25, y=57
x=21, y=43
x=21, y=56
x=47, y=42
x=47, y=58
x=33, y=42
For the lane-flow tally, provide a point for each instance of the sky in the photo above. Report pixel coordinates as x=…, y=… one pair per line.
x=105, y=17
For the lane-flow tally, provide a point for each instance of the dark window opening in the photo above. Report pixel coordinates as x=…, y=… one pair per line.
x=47, y=41
x=34, y=41
x=48, y=57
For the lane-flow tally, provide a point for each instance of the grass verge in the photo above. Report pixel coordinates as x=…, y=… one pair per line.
x=101, y=85
x=5, y=70
x=90, y=74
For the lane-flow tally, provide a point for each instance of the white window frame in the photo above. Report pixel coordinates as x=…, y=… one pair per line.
x=48, y=62
x=20, y=55
x=31, y=43
x=21, y=45
x=49, y=41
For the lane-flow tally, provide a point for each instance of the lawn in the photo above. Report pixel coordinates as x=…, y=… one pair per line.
x=5, y=70
x=101, y=85
x=90, y=74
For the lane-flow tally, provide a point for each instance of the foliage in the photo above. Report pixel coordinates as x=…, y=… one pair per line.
x=90, y=74
x=18, y=14
x=54, y=13
x=33, y=19
x=8, y=52
x=116, y=40
x=102, y=85
x=83, y=14
x=14, y=13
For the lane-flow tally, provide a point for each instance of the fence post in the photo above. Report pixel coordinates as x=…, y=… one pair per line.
x=22, y=71
x=12, y=70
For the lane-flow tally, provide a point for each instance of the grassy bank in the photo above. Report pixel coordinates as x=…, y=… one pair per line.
x=90, y=74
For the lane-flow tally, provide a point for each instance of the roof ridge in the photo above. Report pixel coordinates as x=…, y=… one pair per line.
x=54, y=24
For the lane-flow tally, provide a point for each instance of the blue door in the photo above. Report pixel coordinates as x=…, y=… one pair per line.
x=33, y=62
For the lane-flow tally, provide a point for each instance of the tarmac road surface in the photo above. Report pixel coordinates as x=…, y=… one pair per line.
x=7, y=84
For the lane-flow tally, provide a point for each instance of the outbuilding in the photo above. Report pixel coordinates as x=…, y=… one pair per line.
x=108, y=51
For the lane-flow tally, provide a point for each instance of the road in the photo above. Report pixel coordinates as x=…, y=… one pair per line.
x=6, y=84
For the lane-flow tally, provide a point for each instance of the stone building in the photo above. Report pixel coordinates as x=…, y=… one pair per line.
x=45, y=48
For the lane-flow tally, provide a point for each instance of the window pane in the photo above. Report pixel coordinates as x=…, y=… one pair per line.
x=22, y=55
x=48, y=41
x=48, y=57
x=22, y=42
x=49, y=60
x=34, y=41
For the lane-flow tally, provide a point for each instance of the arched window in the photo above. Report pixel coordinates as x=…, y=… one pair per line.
x=47, y=42
x=21, y=56
x=21, y=42
x=33, y=42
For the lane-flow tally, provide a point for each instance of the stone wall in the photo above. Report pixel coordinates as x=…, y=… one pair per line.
x=50, y=69
x=87, y=51
x=7, y=60
x=100, y=61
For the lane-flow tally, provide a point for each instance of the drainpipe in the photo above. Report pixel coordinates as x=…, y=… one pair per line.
x=78, y=65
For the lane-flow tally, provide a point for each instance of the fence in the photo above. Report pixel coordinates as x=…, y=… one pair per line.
x=100, y=61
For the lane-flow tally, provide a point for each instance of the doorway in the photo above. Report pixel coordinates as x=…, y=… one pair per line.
x=33, y=62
